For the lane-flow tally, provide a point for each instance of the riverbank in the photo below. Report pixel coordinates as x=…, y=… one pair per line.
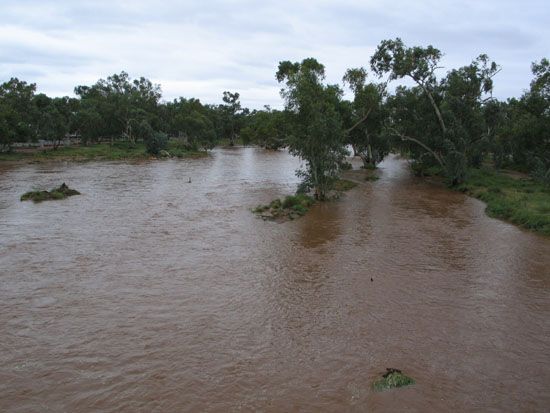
x=101, y=151
x=516, y=199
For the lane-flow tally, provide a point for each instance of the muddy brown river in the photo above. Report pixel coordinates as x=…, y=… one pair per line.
x=151, y=294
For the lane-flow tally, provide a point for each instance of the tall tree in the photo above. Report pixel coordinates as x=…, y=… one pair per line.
x=122, y=103
x=455, y=102
x=16, y=112
x=365, y=130
x=317, y=132
x=231, y=109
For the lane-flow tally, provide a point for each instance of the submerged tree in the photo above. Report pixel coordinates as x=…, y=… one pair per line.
x=316, y=127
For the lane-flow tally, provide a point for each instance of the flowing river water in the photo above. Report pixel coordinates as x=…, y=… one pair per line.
x=151, y=294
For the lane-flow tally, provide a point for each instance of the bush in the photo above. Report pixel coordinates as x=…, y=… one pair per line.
x=156, y=142
x=391, y=379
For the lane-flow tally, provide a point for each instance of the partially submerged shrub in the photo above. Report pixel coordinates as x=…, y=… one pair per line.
x=300, y=199
x=391, y=379
x=291, y=207
x=61, y=192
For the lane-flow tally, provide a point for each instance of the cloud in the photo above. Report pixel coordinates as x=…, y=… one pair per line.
x=200, y=49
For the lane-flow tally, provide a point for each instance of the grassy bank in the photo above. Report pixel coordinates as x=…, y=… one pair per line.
x=102, y=151
x=521, y=201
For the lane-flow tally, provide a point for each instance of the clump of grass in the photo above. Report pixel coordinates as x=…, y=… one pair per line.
x=61, y=192
x=393, y=378
x=299, y=200
x=342, y=185
x=290, y=207
x=372, y=178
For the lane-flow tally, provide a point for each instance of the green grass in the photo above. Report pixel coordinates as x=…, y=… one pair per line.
x=61, y=192
x=372, y=178
x=523, y=202
x=290, y=207
x=393, y=378
x=102, y=151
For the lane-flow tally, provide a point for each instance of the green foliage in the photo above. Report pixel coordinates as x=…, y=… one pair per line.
x=438, y=122
x=17, y=113
x=297, y=200
x=156, y=142
x=232, y=115
x=62, y=192
x=267, y=128
x=290, y=207
x=316, y=127
x=521, y=130
x=364, y=118
x=121, y=103
x=393, y=378
x=118, y=151
x=192, y=123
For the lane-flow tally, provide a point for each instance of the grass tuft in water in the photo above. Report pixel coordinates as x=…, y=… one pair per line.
x=57, y=193
x=393, y=378
x=290, y=207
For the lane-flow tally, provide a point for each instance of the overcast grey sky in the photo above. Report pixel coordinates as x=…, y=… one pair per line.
x=201, y=48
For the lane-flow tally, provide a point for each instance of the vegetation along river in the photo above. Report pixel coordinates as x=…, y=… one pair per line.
x=149, y=293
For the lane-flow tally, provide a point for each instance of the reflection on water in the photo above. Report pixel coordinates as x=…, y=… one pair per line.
x=148, y=293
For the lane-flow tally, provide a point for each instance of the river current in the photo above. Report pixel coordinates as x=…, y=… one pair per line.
x=148, y=293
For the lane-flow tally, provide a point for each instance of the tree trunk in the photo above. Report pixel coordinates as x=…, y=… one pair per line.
x=436, y=108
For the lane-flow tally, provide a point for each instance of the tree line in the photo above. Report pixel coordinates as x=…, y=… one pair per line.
x=123, y=109
x=448, y=123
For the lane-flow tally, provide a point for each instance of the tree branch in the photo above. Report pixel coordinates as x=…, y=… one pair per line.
x=430, y=150
x=360, y=121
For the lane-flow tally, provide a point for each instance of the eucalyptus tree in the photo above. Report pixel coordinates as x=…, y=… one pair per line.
x=55, y=117
x=448, y=128
x=316, y=126
x=365, y=132
x=189, y=121
x=17, y=112
x=232, y=111
x=267, y=128
x=526, y=126
x=122, y=103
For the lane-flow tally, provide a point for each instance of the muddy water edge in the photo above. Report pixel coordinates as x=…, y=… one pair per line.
x=149, y=293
